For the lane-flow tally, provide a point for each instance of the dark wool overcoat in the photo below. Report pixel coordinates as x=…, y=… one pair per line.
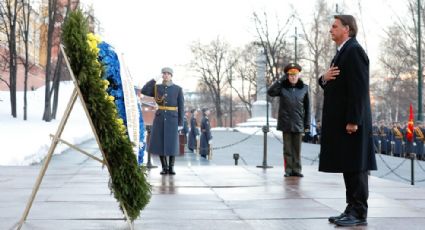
x=164, y=132
x=346, y=100
x=294, y=105
x=194, y=131
x=205, y=136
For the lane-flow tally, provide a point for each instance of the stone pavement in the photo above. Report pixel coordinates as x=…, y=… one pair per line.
x=204, y=194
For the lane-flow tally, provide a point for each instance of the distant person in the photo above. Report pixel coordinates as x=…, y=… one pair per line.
x=375, y=133
x=384, y=137
x=396, y=137
x=293, y=117
x=419, y=136
x=183, y=131
x=168, y=117
x=193, y=132
x=206, y=137
x=347, y=142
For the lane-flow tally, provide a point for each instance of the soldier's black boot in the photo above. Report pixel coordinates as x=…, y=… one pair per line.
x=164, y=165
x=171, y=167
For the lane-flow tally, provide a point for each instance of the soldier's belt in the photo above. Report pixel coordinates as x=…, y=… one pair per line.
x=172, y=108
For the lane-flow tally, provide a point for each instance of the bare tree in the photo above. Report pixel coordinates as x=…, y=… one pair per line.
x=245, y=75
x=24, y=28
x=396, y=86
x=273, y=43
x=57, y=14
x=8, y=14
x=272, y=40
x=213, y=62
x=320, y=49
x=47, y=114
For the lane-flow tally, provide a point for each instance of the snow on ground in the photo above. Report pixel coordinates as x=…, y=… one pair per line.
x=27, y=142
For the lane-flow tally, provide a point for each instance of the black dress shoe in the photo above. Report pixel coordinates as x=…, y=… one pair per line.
x=332, y=219
x=297, y=174
x=350, y=220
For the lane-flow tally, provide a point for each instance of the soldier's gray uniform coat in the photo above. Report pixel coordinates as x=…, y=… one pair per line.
x=192, y=134
x=164, y=132
x=205, y=136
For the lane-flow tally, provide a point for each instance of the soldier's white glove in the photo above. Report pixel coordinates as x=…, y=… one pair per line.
x=210, y=142
x=197, y=137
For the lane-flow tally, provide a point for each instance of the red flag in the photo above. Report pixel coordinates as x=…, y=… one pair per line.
x=409, y=134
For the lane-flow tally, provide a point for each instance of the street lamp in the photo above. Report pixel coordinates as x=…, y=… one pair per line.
x=419, y=64
x=295, y=37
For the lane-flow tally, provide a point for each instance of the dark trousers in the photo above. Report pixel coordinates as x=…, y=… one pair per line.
x=357, y=193
x=292, y=152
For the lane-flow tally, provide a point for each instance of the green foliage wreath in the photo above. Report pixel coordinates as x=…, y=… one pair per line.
x=129, y=184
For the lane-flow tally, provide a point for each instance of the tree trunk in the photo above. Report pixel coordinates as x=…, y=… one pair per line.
x=56, y=81
x=47, y=115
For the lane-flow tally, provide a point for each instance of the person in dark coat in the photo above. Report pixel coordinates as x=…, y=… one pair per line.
x=206, y=137
x=419, y=136
x=185, y=129
x=384, y=137
x=193, y=132
x=396, y=137
x=375, y=137
x=347, y=141
x=168, y=117
x=294, y=116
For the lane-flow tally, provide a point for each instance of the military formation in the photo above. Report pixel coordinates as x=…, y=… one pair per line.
x=391, y=139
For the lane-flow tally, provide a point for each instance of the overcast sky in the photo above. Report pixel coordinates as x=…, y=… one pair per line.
x=153, y=34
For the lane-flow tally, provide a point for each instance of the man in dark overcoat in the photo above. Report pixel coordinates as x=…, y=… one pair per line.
x=168, y=117
x=347, y=142
x=293, y=117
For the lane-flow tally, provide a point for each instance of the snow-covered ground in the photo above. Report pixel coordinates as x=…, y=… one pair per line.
x=26, y=142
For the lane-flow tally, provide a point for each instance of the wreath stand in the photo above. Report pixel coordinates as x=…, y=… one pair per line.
x=76, y=93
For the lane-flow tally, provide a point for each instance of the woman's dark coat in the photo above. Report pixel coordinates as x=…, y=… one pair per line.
x=164, y=132
x=346, y=100
x=294, y=105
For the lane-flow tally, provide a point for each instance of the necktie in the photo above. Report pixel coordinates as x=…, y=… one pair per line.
x=335, y=57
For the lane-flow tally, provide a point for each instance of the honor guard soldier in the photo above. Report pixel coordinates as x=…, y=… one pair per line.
x=206, y=137
x=419, y=138
x=168, y=118
x=193, y=132
x=396, y=140
x=375, y=133
x=384, y=138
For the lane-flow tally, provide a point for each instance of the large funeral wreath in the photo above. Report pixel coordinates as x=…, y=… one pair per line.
x=128, y=180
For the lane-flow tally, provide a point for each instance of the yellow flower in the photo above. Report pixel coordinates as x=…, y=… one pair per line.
x=93, y=40
x=105, y=84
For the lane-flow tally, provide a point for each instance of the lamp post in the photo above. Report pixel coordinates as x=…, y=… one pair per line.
x=261, y=65
x=231, y=99
x=296, y=37
x=419, y=64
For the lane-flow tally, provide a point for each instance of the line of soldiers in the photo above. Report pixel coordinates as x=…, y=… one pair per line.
x=199, y=137
x=393, y=140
